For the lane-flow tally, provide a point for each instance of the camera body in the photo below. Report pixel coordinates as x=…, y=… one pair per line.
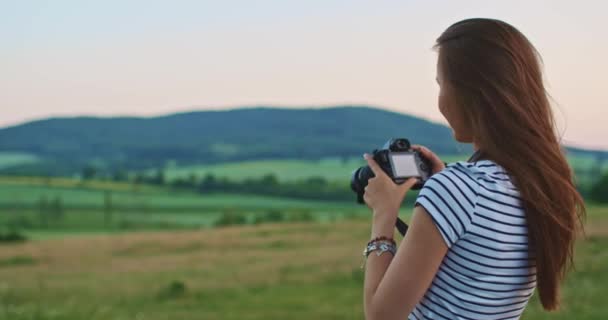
x=399, y=161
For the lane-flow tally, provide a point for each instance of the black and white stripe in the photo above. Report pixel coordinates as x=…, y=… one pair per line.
x=487, y=272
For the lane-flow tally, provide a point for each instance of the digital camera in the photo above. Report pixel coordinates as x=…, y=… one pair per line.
x=399, y=161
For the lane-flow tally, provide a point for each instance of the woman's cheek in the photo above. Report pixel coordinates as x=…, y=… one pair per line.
x=441, y=104
x=444, y=111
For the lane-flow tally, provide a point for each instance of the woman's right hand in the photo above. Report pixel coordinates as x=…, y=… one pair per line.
x=436, y=163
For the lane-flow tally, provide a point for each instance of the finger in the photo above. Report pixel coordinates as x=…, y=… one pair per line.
x=424, y=150
x=428, y=154
x=366, y=200
x=409, y=183
x=412, y=181
x=369, y=189
x=374, y=166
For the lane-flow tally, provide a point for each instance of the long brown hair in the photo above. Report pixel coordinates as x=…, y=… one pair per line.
x=495, y=74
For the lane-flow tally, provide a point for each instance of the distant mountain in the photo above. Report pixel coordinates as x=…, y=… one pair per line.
x=68, y=144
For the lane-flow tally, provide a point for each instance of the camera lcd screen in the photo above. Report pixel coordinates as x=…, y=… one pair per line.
x=404, y=165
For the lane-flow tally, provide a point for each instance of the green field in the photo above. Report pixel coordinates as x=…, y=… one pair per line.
x=272, y=271
x=330, y=168
x=333, y=169
x=145, y=208
x=163, y=253
x=165, y=199
x=149, y=207
x=284, y=170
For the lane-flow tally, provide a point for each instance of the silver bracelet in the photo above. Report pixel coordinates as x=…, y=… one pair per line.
x=380, y=247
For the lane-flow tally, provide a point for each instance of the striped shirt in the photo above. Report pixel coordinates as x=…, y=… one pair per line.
x=486, y=272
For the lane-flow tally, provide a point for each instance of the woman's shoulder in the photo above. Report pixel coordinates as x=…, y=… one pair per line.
x=457, y=180
x=486, y=176
x=484, y=171
x=459, y=173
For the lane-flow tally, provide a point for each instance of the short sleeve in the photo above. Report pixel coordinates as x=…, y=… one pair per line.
x=449, y=197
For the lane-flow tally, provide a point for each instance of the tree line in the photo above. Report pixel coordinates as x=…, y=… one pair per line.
x=599, y=191
x=313, y=188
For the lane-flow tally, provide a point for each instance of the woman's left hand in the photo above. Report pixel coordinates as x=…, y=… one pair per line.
x=382, y=195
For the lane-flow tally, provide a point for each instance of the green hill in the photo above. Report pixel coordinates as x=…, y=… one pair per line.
x=64, y=146
x=67, y=144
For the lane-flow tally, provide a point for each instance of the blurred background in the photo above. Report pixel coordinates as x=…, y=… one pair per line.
x=192, y=159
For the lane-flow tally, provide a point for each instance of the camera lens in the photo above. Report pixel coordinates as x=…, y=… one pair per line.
x=360, y=178
x=355, y=182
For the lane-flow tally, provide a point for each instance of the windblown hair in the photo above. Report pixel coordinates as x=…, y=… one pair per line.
x=495, y=75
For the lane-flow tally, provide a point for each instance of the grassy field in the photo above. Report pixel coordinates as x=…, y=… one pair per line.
x=175, y=266
x=138, y=207
x=272, y=271
x=178, y=212
x=333, y=169
x=284, y=170
x=77, y=222
x=77, y=197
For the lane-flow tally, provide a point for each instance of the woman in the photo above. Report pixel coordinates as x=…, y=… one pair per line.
x=485, y=232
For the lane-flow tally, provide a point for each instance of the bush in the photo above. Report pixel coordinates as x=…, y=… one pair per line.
x=279, y=216
x=599, y=191
x=270, y=216
x=274, y=216
x=231, y=217
x=12, y=236
x=300, y=215
x=173, y=290
x=127, y=225
x=20, y=222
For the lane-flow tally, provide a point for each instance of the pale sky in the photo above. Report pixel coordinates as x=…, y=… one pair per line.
x=120, y=57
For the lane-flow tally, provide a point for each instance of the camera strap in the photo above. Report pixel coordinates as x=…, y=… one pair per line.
x=476, y=156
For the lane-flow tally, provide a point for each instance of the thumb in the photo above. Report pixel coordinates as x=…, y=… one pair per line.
x=408, y=184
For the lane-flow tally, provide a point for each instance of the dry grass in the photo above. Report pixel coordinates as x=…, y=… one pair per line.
x=212, y=263
x=265, y=247
x=262, y=251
